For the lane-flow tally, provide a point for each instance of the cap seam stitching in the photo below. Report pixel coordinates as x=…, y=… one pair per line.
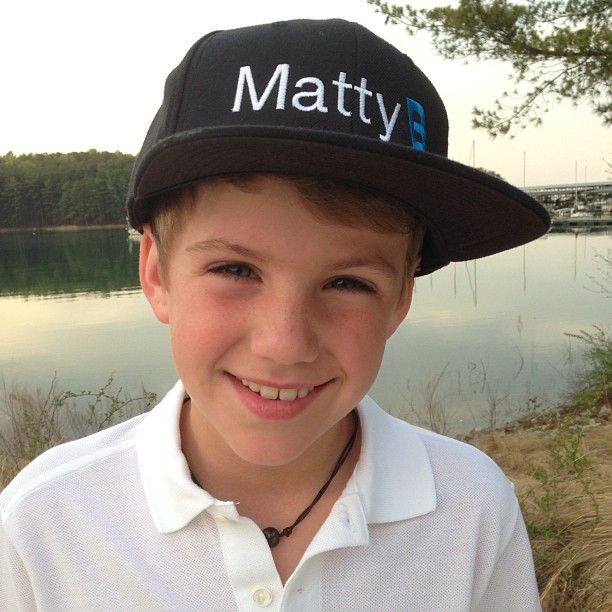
x=354, y=77
x=179, y=103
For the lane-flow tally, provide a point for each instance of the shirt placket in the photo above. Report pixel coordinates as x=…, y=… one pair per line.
x=248, y=561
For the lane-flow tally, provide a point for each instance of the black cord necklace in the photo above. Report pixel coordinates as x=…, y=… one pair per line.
x=272, y=534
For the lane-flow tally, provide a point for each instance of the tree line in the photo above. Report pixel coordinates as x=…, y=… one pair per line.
x=51, y=189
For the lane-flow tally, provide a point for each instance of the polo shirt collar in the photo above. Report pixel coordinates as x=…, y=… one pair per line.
x=173, y=498
x=393, y=477
x=392, y=480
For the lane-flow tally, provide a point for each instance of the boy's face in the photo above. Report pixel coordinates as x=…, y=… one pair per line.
x=257, y=289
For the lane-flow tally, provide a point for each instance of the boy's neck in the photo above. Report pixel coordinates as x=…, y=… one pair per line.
x=226, y=476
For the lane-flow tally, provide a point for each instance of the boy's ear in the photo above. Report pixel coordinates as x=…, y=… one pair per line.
x=151, y=279
x=405, y=300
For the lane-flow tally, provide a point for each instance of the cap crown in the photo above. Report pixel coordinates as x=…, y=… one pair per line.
x=329, y=76
x=327, y=99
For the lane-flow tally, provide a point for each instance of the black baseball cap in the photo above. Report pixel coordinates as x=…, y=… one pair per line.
x=328, y=99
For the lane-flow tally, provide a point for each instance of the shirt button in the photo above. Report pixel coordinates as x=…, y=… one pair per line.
x=262, y=597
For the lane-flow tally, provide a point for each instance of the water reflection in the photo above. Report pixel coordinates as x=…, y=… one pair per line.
x=59, y=263
x=497, y=328
x=494, y=328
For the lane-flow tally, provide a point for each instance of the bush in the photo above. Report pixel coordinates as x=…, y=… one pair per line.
x=594, y=385
x=31, y=423
x=568, y=513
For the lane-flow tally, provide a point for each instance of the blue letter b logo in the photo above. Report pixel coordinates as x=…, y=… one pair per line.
x=416, y=119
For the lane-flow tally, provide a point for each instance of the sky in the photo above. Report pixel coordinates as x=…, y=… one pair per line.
x=81, y=75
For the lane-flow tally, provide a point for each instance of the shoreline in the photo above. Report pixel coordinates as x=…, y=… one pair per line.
x=547, y=420
x=559, y=464
x=62, y=228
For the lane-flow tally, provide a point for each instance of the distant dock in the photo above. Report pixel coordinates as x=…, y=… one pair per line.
x=581, y=224
x=577, y=207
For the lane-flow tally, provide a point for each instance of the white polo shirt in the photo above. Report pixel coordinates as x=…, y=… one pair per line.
x=115, y=522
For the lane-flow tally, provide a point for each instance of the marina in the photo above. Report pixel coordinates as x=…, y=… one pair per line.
x=580, y=224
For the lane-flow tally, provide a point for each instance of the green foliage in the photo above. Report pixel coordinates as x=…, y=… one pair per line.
x=559, y=49
x=567, y=465
x=595, y=384
x=568, y=520
x=49, y=189
x=104, y=407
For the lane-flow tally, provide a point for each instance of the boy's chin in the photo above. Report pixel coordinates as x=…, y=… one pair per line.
x=271, y=455
x=276, y=450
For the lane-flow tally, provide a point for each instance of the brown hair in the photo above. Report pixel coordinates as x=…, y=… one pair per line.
x=326, y=199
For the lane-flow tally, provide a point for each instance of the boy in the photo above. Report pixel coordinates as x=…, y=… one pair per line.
x=291, y=186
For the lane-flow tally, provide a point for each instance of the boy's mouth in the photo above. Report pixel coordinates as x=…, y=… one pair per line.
x=273, y=393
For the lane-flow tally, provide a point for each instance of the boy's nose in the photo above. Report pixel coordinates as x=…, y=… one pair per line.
x=286, y=333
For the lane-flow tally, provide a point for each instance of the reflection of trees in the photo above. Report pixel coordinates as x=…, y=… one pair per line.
x=48, y=263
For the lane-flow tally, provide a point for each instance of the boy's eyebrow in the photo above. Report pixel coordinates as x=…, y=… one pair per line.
x=377, y=261
x=218, y=244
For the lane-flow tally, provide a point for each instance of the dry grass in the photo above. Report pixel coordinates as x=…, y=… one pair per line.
x=31, y=423
x=6, y=473
x=576, y=570
x=563, y=478
x=29, y=426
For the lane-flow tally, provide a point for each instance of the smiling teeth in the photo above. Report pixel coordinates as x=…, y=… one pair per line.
x=276, y=393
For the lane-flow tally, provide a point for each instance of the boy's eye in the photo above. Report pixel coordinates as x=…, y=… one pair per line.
x=235, y=269
x=347, y=283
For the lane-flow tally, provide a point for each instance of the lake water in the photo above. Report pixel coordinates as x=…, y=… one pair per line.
x=480, y=335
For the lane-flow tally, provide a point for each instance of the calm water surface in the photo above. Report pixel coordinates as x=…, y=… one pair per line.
x=491, y=332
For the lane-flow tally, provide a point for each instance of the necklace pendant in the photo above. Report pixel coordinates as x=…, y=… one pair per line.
x=272, y=536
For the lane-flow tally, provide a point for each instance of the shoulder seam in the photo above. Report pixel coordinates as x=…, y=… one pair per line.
x=49, y=476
